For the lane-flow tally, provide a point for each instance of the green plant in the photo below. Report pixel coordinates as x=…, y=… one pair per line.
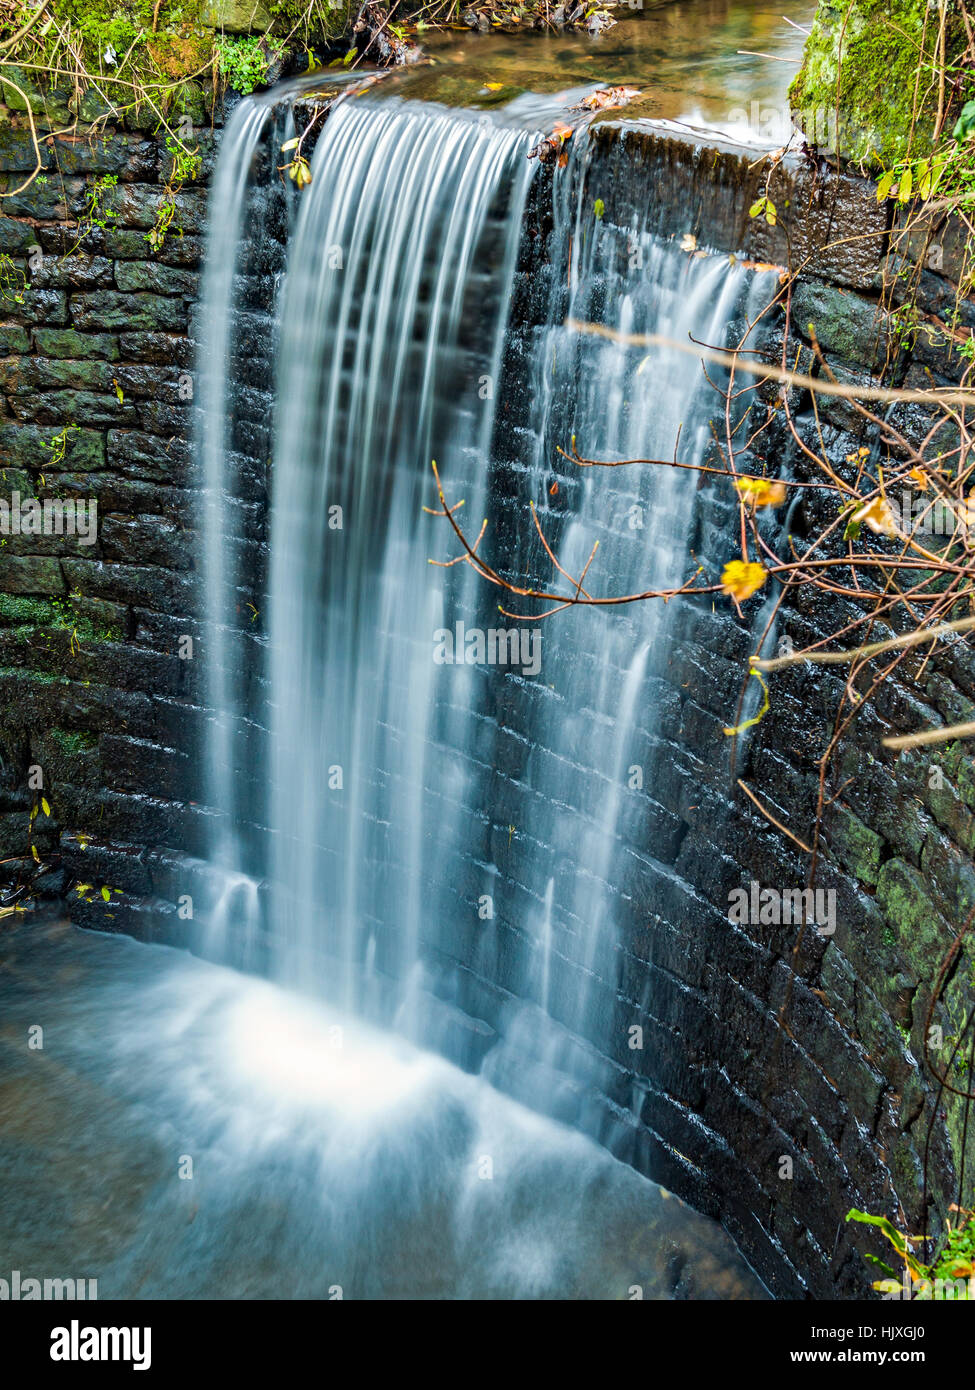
x=764, y=207
x=95, y=214
x=185, y=165
x=13, y=281
x=67, y=618
x=244, y=62
x=58, y=445
x=950, y=1275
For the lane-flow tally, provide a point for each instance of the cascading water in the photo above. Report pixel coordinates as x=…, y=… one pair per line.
x=397, y=285
x=454, y=841
x=589, y=777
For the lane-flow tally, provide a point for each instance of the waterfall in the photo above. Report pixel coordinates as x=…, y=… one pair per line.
x=457, y=848
x=392, y=314
x=235, y=892
x=588, y=780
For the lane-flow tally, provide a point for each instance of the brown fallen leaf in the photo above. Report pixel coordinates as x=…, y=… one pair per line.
x=606, y=99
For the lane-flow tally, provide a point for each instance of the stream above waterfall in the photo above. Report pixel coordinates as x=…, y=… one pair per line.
x=706, y=65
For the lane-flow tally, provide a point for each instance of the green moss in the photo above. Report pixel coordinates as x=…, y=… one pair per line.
x=135, y=23
x=922, y=935
x=68, y=616
x=856, y=844
x=867, y=62
x=39, y=677
x=74, y=740
x=15, y=609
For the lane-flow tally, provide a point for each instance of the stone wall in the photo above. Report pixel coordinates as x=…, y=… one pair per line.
x=842, y=1092
x=96, y=389
x=95, y=694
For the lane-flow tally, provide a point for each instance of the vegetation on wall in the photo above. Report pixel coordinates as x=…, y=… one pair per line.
x=150, y=63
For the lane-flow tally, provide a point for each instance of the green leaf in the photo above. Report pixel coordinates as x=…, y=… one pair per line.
x=44, y=806
x=905, y=186
x=598, y=207
x=897, y=1240
x=965, y=125
x=291, y=144
x=938, y=165
x=885, y=185
x=106, y=893
x=757, y=208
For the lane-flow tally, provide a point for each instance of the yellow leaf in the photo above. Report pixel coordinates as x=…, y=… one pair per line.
x=44, y=806
x=965, y=512
x=493, y=86
x=742, y=578
x=760, y=492
x=688, y=242
x=918, y=476
x=757, y=718
x=878, y=516
x=300, y=172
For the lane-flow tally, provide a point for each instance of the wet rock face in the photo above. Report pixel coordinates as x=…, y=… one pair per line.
x=97, y=385
x=843, y=1094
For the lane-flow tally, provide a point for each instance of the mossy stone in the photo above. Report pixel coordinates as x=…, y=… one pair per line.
x=857, y=846
x=860, y=65
x=922, y=932
x=236, y=16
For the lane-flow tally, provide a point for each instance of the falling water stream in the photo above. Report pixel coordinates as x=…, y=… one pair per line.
x=425, y=856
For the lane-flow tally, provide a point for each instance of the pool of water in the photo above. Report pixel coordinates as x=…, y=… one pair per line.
x=718, y=65
x=174, y=1129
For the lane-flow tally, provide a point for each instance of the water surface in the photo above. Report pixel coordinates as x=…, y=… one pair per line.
x=327, y=1160
x=686, y=59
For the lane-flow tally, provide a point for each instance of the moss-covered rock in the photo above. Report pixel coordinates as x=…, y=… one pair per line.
x=857, y=846
x=866, y=88
x=922, y=934
x=236, y=16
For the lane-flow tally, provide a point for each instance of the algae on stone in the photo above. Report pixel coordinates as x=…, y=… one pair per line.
x=867, y=88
